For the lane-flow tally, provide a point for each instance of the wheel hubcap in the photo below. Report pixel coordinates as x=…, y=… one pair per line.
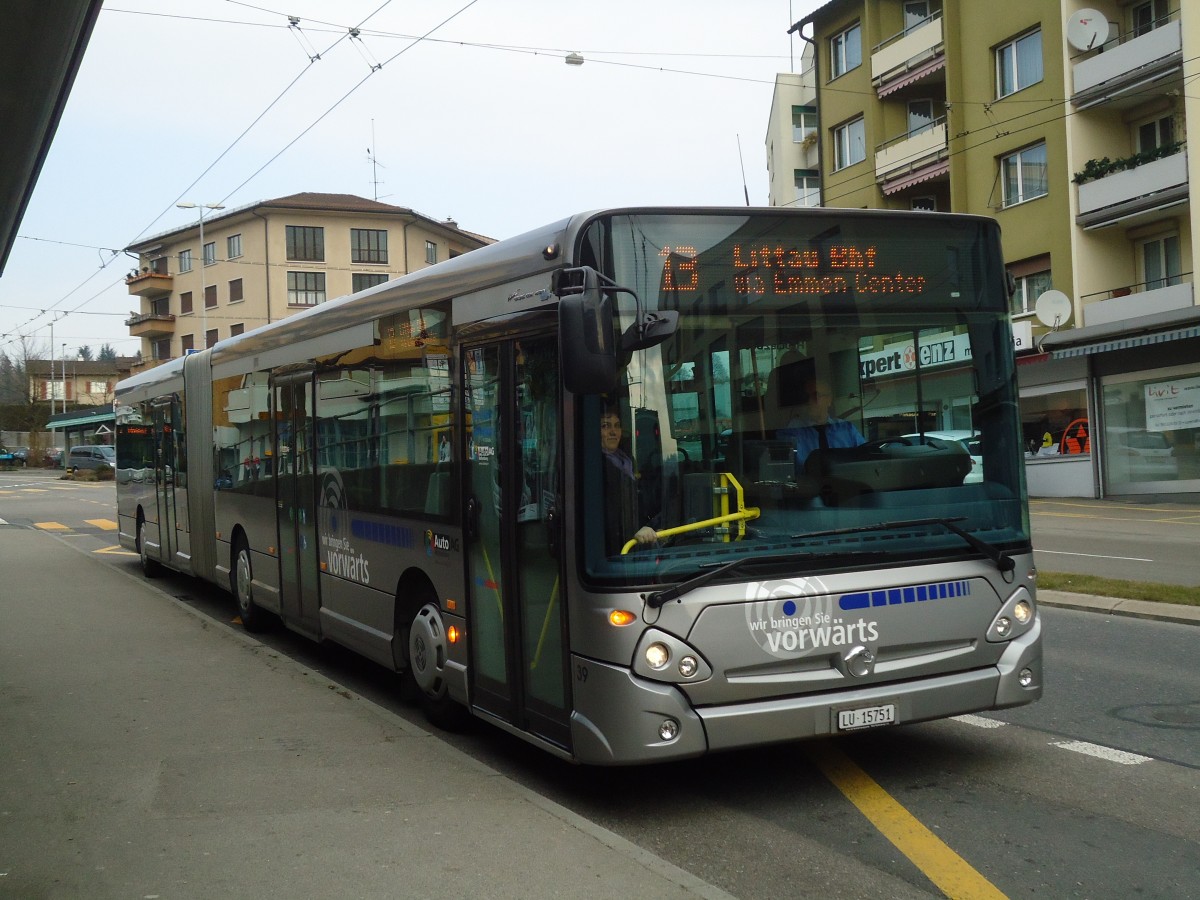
x=427, y=650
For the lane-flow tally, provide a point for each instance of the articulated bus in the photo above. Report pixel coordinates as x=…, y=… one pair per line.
x=565, y=482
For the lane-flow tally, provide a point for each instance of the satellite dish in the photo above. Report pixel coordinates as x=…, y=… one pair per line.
x=1087, y=29
x=1053, y=308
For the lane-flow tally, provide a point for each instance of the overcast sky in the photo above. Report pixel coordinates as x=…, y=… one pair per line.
x=482, y=122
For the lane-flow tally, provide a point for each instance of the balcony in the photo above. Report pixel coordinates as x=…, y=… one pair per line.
x=1136, y=301
x=150, y=325
x=1120, y=74
x=908, y=56
x=913, y=157
x=150, y=284
x=1141, y=191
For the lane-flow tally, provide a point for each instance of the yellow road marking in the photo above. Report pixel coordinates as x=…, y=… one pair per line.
x=941, y=865
x=116, y=551
x=51, y=526
x=103, y=524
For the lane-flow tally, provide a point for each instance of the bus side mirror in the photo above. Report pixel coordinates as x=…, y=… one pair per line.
x=586, y=332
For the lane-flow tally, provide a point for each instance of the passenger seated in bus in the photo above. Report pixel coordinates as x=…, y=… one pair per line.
x=811, y=426
x=622, y=517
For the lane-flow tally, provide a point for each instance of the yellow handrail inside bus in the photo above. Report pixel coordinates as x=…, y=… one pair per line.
x=721, y=491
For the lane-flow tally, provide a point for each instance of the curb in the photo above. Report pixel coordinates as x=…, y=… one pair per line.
x=1116, y=606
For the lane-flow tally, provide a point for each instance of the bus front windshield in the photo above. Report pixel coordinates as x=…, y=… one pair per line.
x=840, y=394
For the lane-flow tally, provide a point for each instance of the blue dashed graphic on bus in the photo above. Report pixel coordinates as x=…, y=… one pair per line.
x=942, y=590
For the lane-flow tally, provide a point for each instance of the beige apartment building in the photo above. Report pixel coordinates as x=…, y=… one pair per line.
x=230, y=271
x=1067, y=122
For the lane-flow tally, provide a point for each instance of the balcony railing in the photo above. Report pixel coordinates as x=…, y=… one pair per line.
x=1129, y=65
x=150, y=325
x=907, y=52
x=1133, y=301
x=1121, y=195
x=911, y=151
x=149, y=284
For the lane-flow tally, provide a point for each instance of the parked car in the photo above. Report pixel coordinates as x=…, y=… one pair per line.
x=970, y=441
x=91, y=456
x=21, y=455
x=52, y=458
x=7, y=460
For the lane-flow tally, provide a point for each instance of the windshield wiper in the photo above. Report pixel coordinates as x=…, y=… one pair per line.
x=1002, y=562
x=658, y=598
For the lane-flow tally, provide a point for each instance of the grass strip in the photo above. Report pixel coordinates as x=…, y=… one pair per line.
x=1114, y=587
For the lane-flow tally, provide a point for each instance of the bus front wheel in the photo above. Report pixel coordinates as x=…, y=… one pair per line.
x=241, y=576
x=151, y=568
x=427, y=654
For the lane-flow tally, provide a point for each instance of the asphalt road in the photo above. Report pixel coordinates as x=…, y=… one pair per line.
x=1135, y=541
x=1090, y=793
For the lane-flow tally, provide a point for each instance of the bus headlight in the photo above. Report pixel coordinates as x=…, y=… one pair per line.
x=661, y=656
x=1014, y=618
x=657, y=655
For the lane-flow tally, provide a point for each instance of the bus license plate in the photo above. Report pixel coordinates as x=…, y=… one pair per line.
x=867, y=717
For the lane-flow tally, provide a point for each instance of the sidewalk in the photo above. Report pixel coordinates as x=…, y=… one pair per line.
x=148, y=754
x=1115, y=606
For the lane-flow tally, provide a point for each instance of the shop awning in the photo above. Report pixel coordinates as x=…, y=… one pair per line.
x=925, y=174
x=1175, y=325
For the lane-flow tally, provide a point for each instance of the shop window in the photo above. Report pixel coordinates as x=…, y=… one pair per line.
x=1151, y=427
x=1056, y=423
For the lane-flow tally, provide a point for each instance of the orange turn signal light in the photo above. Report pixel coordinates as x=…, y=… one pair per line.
x=453, y=634
x=621, y=617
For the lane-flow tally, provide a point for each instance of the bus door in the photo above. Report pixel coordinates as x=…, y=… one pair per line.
x=165, y=415
x=295, y=498
x=517, y=605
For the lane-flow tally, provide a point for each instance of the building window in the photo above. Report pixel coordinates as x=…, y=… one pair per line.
x=1019, y=64
x=98, y=387
x=159, y=266
x=920, y=116
x=915, y=13
x=368, y=245
x=1029, y=288
x=160, y=306
x=185, y=260
x=430, y=252
x=306, y=243
x=210, y=337
x=849, y=144
x=360, y=281
x=804, y=123
x=1162, y=265
x=845, y=51
x=305, y=288
x=235, y=290
x=210, y=296
x=1156, y=133
x=233, y=246
x=808, y=188
x=1023, y=174
x=185, y=303
x=1050, y=422
x=235, y=330
x=210, y=253
x=1148, y=16
x=161, y=349
x=187, y=342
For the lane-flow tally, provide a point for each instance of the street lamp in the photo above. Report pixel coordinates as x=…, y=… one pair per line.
x=203, y=304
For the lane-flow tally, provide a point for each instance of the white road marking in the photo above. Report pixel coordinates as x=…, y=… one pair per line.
x=1095, y=555
x=1106, y=753
x=979, y=721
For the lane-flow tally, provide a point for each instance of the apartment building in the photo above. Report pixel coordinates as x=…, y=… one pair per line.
x=1068, y=123
x=793, y=163
x=230, y=271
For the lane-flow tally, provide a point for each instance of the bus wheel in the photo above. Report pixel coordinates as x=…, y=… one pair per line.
x=241, y=577
x=427, y=655
x=151, y=568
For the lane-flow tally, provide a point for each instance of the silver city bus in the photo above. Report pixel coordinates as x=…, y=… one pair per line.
x=637, y=486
